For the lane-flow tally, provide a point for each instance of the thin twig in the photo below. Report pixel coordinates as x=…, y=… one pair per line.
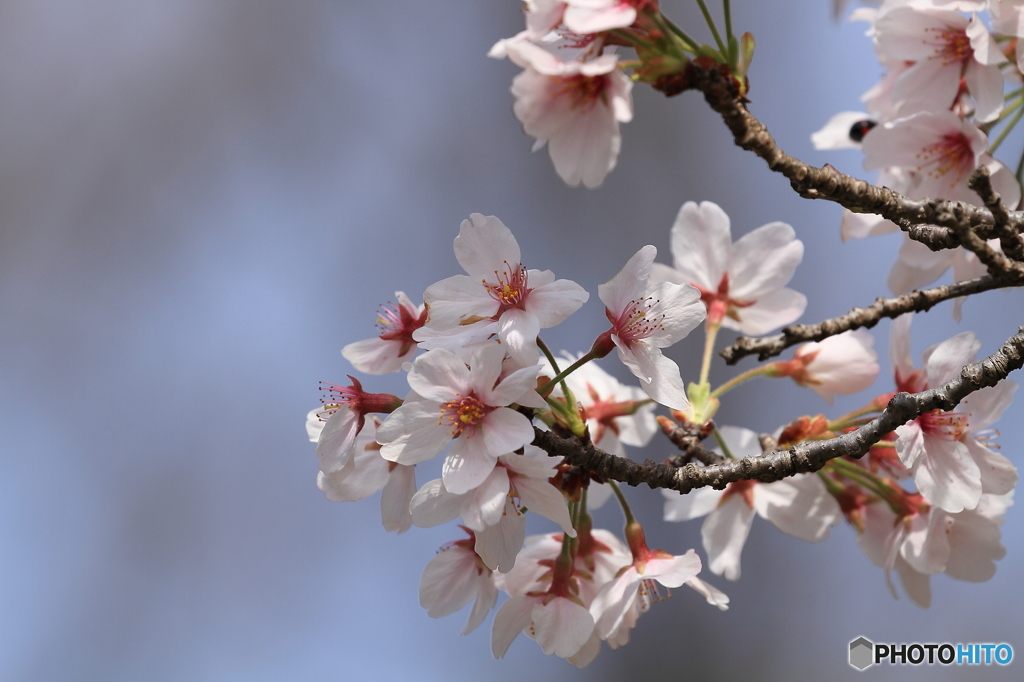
x=916, y=301
x=1009, y=240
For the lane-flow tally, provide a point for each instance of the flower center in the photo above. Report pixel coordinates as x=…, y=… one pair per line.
x=945, y=425
x=397, y=323
x=463, y=413
x=951, y=45
x=335, y=397
x=511, y=289
x=636, y=322
x=582, y=91
x=951, y=154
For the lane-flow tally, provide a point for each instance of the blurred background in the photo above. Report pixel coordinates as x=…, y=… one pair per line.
x=202, y=202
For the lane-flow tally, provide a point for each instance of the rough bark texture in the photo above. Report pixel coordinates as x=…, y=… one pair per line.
x=916, y=301
x=803, y=457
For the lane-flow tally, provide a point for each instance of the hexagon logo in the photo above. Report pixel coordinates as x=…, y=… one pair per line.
x=862, y=653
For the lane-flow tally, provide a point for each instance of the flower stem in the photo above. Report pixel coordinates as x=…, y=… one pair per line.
x=569, y=370
x=1009, y=126
x=767, y=371
x=626, y=511
x=691, y=44
x=632, y=38
x=721, y=443
x=710, y=332
x=711, y=25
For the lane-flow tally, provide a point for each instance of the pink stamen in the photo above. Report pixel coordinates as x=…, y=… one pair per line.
x=945, y=425
x=951, y=155
x=512, y=287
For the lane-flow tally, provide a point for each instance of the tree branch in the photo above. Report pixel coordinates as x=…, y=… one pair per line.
x=827, y=183
x=1009, y=240
x=802, y=457
x=916, y=301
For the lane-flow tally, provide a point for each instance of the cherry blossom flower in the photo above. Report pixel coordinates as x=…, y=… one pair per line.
x=594, y=16
x=455, y=577
x=631, y=591
x=344, y=410
x=942, y=149
x=616, y=414
x=799, y=506
x=366, y=473
x=516, y=477
x=574, y=107
x=543, y=571
x=394, y=345
x=468, y=405
x=944, y=47
x=1008, y=19
x=944, y=451
x=522, y=477
x=843, y=364
x=499, y=288
x=742, y=283
x=923, y=540
x=646, y=319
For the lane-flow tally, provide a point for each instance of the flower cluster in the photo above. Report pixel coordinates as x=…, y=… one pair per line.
x=928, y=121
x=512, y=428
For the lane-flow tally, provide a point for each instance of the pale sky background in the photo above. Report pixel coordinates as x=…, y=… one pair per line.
x=201, y=202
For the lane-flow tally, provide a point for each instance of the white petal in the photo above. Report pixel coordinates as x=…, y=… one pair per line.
x=433, y=505
x=467, y=465
x=440, y=375
x=498, y=545
x=485, y=245
x=542, y=497
x=562, y=626
x=411, y=433
x=449, y=582
x=338, y=439
x=377, y=356
x=369, y=473
x=974, y=548
x=518, y=331
x=779, y=308
x=724, y=533
x=675, y=571
x=630, y=282
x=917, y=585
x=678, y=309
x=511, y=619
x=799, y=506
x=701, y=244
x=487, y=595
x=553, y=303
x=712, y=594
x=944, y=361
x=692, y=505
x=394, y=500
x=457, y=299
x=764, y=260
x=998, y=475
x=947, y=475
x=659, y=376
x=505, y=430
x=926, y=547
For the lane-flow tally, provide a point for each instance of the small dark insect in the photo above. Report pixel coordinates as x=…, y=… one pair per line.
x=859, y=129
